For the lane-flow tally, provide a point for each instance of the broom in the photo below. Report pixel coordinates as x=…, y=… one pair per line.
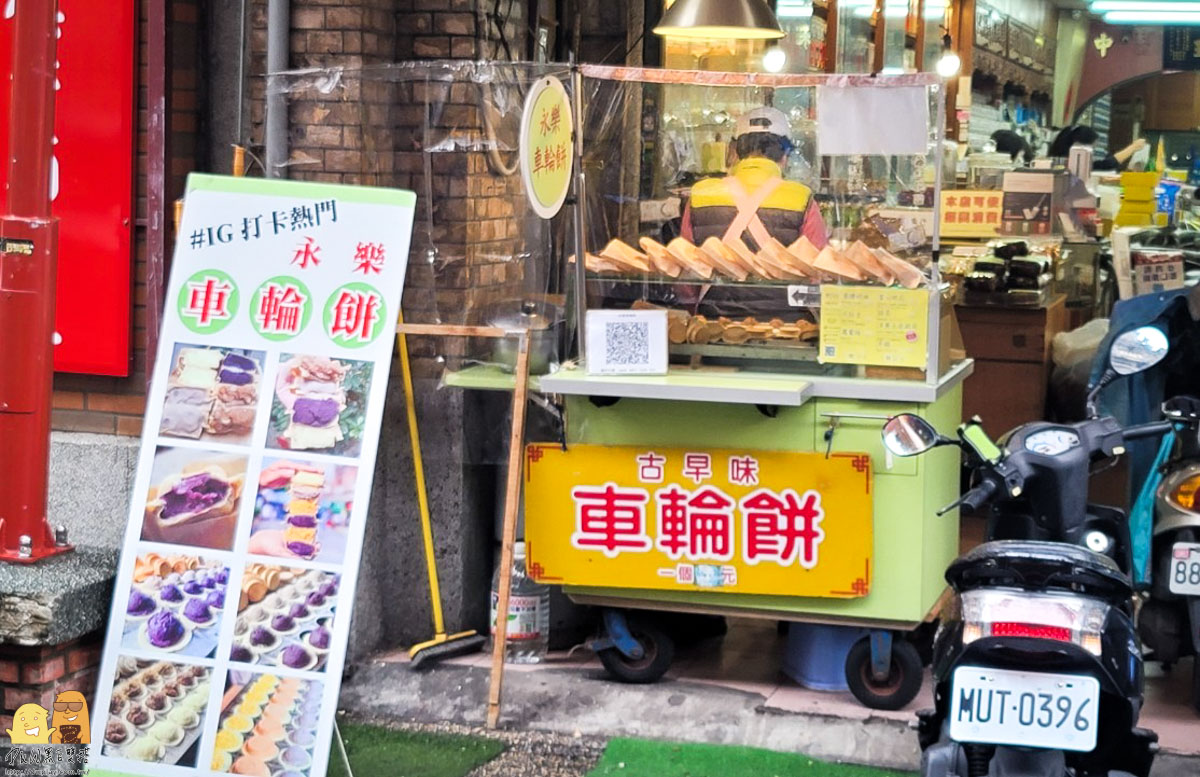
x=442, y=645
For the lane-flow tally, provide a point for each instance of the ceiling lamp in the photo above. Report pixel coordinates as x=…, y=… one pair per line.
x=729, y=19
x=1190, y=18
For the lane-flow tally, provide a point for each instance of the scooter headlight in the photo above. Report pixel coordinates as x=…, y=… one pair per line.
x=1184, y=493
x=1011, y=613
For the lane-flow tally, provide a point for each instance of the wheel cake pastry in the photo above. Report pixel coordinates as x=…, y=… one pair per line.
x=194, y=497
x=626, y=256
x=237, y=370
x=906, y=275
x=750, y=260
x=199, y=358
x=724, y=259
x=661, y=258
x=185, y=410
x=837, y=265
x=806, y=254
x=691, y=258
x=316, y=384
x=785, y=265
x=868, y=263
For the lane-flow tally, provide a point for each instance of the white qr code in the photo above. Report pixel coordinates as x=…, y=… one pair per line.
x=627, y=343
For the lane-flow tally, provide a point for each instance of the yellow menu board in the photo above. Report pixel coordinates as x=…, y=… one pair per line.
x=874, y=326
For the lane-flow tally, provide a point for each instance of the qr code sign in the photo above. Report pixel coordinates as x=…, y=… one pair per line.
x=627, y=343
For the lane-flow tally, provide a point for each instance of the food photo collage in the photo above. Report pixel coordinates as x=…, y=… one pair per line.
x=196, y=604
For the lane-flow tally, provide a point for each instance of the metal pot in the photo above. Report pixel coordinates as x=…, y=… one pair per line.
x=543, y=325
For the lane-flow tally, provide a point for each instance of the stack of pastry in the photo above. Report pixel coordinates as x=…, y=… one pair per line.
x=300, y=536
x=316, y=384
x=800, y=261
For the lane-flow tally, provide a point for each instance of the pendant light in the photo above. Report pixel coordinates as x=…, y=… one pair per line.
x=728, y=19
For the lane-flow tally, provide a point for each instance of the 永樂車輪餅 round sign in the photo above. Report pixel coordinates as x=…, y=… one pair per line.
x=547, y=146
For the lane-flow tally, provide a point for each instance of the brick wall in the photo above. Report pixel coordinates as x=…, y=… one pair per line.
x=38, y=674
x=85, y=403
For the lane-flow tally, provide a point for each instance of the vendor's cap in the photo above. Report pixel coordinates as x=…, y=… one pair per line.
x=770, y=120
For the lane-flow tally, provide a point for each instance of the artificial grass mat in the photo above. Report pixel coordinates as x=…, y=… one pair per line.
x=375, y=751
x=640, y=758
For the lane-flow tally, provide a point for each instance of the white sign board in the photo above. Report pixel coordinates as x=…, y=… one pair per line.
x=233, y=594
x=884, y=121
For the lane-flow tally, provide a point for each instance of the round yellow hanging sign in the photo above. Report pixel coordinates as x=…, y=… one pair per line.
x=547, y=146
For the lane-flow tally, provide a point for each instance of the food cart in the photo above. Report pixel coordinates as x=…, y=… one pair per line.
x=750, y=479
x=747, y=478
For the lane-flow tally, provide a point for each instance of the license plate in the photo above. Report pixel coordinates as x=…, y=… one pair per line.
x=1185, y=569
x=1032, y=709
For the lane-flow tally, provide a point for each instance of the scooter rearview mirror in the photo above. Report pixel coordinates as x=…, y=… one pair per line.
x=1137, y=350
x=910, y=435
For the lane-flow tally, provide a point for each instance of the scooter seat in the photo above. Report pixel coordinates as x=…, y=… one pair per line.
x=1039, y=565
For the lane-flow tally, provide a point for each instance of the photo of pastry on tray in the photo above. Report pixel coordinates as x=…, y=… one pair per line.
x=193, y=498
x=302, y=510
x=156, y=711
x=212, y=394
x=716, y=259
x=268, y=725
x=285, y=617
x=175, y=605
x=320, y=405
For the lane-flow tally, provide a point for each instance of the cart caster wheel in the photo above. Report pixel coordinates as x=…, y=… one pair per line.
x=903, y=681
x=659, y=653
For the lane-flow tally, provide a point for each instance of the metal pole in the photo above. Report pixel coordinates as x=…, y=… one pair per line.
x=580, y=223
x=279, y=22
x=28, y=266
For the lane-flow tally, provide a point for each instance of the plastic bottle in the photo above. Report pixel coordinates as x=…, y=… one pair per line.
x=528, y=613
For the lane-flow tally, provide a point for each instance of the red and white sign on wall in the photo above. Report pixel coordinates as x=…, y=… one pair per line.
x=92, y=185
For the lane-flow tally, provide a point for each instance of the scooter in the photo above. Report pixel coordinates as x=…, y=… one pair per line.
x=1169, y=620
x=1037, y=667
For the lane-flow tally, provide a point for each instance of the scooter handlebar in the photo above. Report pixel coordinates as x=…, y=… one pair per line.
x=979, y=495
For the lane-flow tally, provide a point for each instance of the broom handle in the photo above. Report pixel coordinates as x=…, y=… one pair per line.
x=435, y=593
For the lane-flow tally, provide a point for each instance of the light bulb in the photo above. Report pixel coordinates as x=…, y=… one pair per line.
x=774, y=59
x=948, y=65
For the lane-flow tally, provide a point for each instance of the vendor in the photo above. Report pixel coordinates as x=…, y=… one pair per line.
x=754, y=201
x=1081, y=135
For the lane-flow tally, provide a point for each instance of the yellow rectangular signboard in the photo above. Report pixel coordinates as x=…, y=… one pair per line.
x=727, y=521
x=874, y=326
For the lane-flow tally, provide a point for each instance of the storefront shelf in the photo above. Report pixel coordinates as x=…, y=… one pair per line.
x=486, y=377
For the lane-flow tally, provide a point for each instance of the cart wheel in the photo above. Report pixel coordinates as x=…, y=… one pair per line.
x=659, y=653
x=903, y=681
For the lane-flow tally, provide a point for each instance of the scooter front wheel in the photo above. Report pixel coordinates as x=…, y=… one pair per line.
x=903, y=681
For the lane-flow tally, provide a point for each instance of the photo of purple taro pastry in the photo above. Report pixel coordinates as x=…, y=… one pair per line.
x=171, y=593
x=164, y=630
x=303, y=521
x=223, y=576
x=235, y=378
x=139, y=603
x=315, y=599
x=319, y=638
x=296, y=657
x=209, y=581
x=283, y=623
x=241, y=653
x=193, y=494
x=262, y=637
x=302, y=549
x=298, y=611
x=328, y=588
x=215, y=599
x=315, y=412
x=197, y=611
x=193, y=588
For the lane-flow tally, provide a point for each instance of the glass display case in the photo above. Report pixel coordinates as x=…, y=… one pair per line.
x=830, y=282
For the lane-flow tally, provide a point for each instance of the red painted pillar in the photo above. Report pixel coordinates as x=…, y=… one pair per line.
x=28, y=263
